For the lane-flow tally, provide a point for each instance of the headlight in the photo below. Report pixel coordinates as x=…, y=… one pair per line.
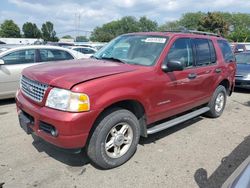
x=66, y=100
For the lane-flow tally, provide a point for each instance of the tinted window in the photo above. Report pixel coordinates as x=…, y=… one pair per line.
x=243, y=58
x=20, y=57
x=203, y=56
x=181, y=51
x=226, y=51
x=87, y=51
x=54, y=55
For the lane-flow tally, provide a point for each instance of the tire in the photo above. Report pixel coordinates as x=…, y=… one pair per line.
x=217, y=102
x=115, y=139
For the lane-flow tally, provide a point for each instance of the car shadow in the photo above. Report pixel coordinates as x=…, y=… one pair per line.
x=74, y=158
x=227, y=167
x=7, y=101
x=157, y=136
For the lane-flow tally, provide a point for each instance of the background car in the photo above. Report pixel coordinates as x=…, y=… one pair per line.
x=88, y=51
x=242, y=77
x=14, y=60
x=240, y=47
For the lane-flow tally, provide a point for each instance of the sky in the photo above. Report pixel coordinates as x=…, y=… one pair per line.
x=83, y=16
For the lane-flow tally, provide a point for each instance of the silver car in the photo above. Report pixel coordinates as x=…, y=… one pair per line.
x=14, y=60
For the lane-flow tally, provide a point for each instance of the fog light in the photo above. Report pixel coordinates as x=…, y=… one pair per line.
x=54, y=133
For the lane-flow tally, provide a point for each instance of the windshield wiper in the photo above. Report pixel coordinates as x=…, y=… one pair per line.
x=114, y=59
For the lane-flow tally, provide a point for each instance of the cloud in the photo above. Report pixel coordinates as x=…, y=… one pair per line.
x=66, y=14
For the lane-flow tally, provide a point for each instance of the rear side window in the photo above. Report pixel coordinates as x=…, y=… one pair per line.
x=226, y=51
x=181, y=51
x=20, y=57
x=205, y=52
x=54, y=55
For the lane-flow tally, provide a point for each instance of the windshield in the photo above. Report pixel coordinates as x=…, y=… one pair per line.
x=133, y=49
x=243, y=58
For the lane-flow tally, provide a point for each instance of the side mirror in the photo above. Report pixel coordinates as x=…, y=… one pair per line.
x=172, y=66
x=1, y=62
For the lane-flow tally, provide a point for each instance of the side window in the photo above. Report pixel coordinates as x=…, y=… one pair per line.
x=20, y=57
x=87, y=51
x=181, y=51
x=54, y=55
x=78, y=49
x=226, y=51
x=203, y=55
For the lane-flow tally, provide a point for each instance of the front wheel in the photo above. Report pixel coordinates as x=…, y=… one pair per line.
x=217, y=102
x=115, y=139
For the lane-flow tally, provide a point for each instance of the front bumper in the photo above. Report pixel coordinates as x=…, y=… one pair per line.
x=73, y=128
x=242, y=83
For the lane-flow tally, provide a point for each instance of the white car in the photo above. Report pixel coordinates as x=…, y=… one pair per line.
x=14, y=60
x=88, y=51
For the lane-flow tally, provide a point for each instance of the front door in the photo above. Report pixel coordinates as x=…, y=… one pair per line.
x=178, y=90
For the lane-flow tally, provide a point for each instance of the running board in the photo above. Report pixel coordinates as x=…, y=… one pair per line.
x=177, y=120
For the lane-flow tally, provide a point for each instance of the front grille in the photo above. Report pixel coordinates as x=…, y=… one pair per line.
x=33, y=89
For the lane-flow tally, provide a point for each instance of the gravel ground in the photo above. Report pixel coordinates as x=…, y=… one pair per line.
x=202, y=152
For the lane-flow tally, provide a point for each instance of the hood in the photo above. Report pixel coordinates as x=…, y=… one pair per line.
x=243, y=69
x=69, y=73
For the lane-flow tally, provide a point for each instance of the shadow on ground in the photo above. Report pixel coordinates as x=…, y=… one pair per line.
x=157, y=136
x=72, y=158
x=7, y=101
x=227, y=167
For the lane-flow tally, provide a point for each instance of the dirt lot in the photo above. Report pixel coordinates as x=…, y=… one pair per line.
x=202, y=152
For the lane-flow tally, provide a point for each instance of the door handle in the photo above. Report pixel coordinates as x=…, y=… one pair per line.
x=192, y=76
x=218, y=70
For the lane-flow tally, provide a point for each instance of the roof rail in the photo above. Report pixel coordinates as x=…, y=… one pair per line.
x=194, y=32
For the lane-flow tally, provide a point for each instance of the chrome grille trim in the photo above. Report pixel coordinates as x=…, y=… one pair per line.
x=33, y=89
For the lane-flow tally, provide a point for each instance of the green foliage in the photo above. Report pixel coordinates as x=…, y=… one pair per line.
x=169, y=26
x=48, y=32
x=146, y=24
x=9, y=29
x=81, y=39
x=214, y=22
x=67, y=37
x=127, y=24
x=191, y=20
x=30, y=30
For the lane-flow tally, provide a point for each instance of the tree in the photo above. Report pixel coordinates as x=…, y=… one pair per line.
x=127, y=24
x=169, y=26
x=214, y=22
x=9, y=29
x=146, y=24
x=81, y=39
x=191, y=20
x=30, y=30
x=67, y=37
x=48, y=32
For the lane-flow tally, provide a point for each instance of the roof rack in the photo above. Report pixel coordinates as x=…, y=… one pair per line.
x=194, y=32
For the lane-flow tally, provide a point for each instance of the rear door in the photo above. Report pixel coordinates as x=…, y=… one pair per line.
x=207, y=70
x=10, y=72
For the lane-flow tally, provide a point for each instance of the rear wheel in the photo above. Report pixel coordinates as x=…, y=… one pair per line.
x=217, y=102
x=115, y=139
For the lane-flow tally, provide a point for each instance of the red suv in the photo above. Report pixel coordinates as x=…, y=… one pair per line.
x=108, y=102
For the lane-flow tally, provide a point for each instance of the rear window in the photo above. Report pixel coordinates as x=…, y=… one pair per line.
x=226, y=51
x=205, y=52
